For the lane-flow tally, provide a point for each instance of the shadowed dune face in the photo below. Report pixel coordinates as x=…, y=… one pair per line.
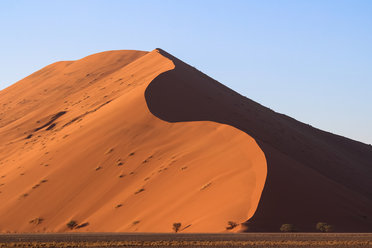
x=312, y=175
x=79, y=143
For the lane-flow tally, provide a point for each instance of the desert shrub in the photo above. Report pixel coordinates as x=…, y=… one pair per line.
x=176, y=226
x=288, y=228
x=231, y=225
x=323, y=227
x=36, y=221
x=72, y=224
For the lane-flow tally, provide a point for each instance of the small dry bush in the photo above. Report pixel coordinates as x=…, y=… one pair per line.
x=176, y=226
x=231, y=225
x=323, y=227
x=36, y=221
x=288, y=228
x=72, y=224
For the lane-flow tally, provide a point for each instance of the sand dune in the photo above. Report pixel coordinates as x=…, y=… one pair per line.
x=136, y=141
x=79, y=143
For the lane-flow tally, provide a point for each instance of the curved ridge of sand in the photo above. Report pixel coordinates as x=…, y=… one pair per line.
x=80, y=143
x=312, y=176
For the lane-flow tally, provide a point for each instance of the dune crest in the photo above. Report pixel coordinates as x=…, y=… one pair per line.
x=79, y=143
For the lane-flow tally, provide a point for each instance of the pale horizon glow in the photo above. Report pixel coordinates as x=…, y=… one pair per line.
x=311, y=60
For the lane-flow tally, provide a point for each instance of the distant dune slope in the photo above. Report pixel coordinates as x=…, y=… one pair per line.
x=313, y=176
x=78, y=142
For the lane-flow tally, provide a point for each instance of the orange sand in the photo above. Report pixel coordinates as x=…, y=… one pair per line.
x=78, y=142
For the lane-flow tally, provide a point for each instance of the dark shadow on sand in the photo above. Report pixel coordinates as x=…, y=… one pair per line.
x=312, y=175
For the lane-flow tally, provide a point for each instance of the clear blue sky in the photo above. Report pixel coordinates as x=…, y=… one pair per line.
x=311, y=60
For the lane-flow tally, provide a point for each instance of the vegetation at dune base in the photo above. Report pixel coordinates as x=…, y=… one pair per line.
x=176, y=226
x=72, y=224
x=288, y=228
x=36, y=221
x=231, y=225
x=323, y=227
x=192, y=243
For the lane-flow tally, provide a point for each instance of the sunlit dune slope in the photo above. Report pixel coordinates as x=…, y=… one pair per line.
x=78, y=142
